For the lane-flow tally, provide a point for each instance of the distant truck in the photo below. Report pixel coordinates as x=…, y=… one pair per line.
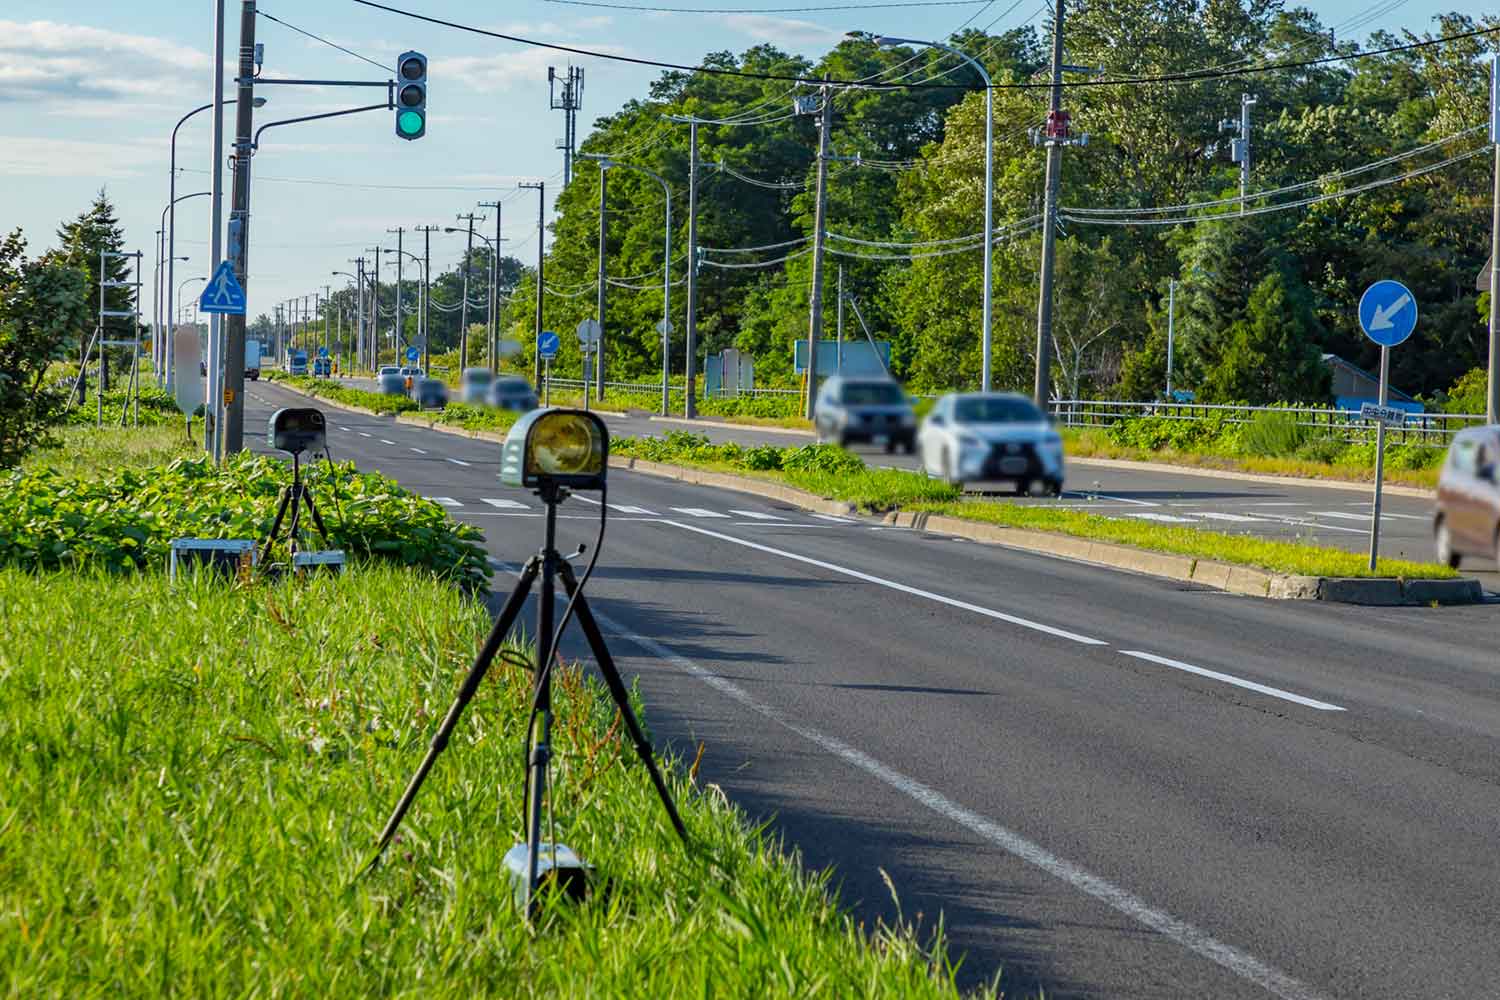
x=296, y=363
x=252, y=360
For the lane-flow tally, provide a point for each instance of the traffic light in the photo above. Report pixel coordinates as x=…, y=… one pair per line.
x=411, y=95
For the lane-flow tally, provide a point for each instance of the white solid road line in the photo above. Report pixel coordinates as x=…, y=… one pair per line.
x=1274, y=692
x=698, y=512
x=1118, y=898
x=458, y=461
x=419, y=451
x=893, y=585
x=505, y=504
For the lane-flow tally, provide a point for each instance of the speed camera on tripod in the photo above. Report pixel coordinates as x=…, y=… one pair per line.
x=552, y=448
x=297, y=429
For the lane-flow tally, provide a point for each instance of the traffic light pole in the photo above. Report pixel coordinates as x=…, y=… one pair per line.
x=232, y=438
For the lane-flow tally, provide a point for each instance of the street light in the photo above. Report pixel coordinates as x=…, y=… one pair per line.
x=665, y=328
x=185, y=282
x=171, y=207
x=989, y=186
x=421, y=329
x=360, y=315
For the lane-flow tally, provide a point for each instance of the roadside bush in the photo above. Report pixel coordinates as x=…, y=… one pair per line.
x=126, y=520
x=1156, y=433
x=476, y=418
x=827, y=458
x=1321, y=449
x=762, y=458
x=157, y=407
x=1273, y=434
x=339, y=393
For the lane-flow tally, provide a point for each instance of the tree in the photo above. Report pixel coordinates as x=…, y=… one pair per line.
x=1273, y=354
x=42, y=303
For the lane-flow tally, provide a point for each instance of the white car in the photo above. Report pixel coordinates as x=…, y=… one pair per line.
x=989, y=437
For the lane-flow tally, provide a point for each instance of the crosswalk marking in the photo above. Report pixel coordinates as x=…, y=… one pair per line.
x=831, y=517
x=505, y=504
x=419, y=451
x=698, y=512
x=446, y=501
x=1384, y=515
x=625, y=508
x=363, y=434
x=344, y=429
x=1214, y=515
x=758, y=515
x=387, y=441
x=1164, y=518
x=458, y=461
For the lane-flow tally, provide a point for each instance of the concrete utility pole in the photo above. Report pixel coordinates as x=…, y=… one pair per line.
x=233, y=438
x=599, y=307
x=216, y=234
x=492, y=313
x=1492, y=408
x=1056, y=136
x=541, y=231
x=426, y=321
x=1171, y=330
x=568, y=102
x=400, y=232
x=463, y=315
x=375, y=317
x=1239, y=146
x=820, y=221
x=690, y=405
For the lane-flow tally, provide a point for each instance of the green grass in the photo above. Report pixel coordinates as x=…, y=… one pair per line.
x=89, y=453
x=471, y=417
x=1406, y=465
x=337, y=392
x=839, y=475
x=1277, y=556
x=194, y=775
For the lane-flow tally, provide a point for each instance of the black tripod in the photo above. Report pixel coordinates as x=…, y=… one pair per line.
x=294, y=496
x=549, y=563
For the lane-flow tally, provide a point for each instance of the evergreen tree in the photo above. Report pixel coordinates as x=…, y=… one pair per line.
x=1273, y=355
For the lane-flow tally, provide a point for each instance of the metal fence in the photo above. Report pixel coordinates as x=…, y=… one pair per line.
x=676, y=389
x=1432, y=429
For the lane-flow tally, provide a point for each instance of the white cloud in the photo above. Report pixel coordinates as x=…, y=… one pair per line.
x=70, y=64
x=488, y=74
x=28, y=156
x=786, y=30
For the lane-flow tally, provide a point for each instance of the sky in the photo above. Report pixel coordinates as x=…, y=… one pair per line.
x=93, y=88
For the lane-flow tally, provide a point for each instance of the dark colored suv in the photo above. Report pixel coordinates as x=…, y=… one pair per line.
x=871, y=410
x=1467, y=522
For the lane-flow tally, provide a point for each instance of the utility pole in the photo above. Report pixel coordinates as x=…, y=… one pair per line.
x=327, y=319
x=1239, y=147
x=541, y=230
x=1056, y=138
x=358, y=357
x=493, y=319
x=375, y=318
x=568, y=102
x=839, y=334
x=463, y=315
x=400, y=231
x=427, y=232
x=233, y=437
x=1171, y=318
x=1492, y=408
x=690, y=337
x=216, y=231
x=820, y=214
x=603, y=236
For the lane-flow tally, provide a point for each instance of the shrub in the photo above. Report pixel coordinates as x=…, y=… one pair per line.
x=762, y=458
x=1273, y=434
x=1321, y=449
x=827, y=458
x=126, y=520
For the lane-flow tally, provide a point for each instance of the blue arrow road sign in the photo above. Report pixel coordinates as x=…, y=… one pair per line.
x=546, y=345
x=1387, y=312
x=412, y=354
x=322, y=352
x=223, y=293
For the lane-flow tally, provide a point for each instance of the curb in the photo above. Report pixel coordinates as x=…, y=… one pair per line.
x=1232, y=578
x=1395, y=489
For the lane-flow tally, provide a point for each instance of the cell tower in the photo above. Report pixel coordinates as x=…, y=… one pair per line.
x=568, y=102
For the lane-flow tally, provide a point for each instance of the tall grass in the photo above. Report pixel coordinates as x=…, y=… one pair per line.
x=193, y=776
x=89, y=452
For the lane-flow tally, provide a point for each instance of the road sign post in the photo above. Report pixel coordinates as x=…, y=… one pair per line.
x=547, y=344
x=1388, y=315
x=589, y=333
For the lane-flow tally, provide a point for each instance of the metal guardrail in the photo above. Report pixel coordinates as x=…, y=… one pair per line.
x=1432, y=429
x=654, y=388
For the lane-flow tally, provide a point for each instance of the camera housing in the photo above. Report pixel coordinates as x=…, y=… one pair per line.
x=297, y=429
x=553, y=448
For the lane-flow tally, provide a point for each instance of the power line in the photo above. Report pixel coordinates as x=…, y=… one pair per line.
x=755, y=264
x=359, y=184
x=770, y=10
x=1184, y=77
x=768, y=246
x=319, y=38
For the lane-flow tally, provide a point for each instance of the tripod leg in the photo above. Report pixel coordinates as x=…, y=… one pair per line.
x=621, y=696
x=482, y=660
x=286, y=495
x=312, y=509
x=294, y=528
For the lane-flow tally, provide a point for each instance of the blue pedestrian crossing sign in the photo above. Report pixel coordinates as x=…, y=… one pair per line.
x=547, y=343
x=1388, y=312
x=223, y=293
x=412, y=354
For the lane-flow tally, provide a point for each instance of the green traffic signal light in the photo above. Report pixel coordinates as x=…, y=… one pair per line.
x=411, y=123
x=411, y=97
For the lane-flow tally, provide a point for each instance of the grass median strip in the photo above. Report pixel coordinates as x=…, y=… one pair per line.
x=194, y=777
x=835, y=474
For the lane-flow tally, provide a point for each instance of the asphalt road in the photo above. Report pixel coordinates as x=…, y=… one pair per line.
x=1105, y=784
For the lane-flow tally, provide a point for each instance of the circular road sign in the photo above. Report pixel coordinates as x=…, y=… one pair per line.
x=547, y=344
x=322, y=352
x=1388, y=312
x=412, y=354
